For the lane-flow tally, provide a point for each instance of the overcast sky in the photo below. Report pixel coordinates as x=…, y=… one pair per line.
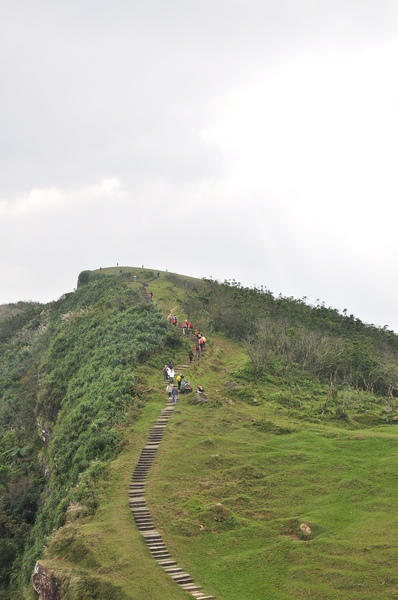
x=246, y=139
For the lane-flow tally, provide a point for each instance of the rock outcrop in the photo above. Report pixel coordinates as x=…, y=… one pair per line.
x=45, y=584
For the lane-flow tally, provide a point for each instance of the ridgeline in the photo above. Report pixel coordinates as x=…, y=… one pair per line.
x=279, y=481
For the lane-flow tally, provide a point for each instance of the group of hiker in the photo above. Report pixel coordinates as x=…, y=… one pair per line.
x=183, y=386
x=200, y=342
x=186, y=325
x=200, y=338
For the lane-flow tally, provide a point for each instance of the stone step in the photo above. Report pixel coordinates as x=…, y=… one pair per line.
x=173, y=570
x=182, y=578
x=142, y=516
x=144, y=522
x=161, y=554
x=167, y=563
x=154, y=547
x=191, y=587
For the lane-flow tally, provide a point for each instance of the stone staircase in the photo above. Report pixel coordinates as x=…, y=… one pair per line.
x=143, y=517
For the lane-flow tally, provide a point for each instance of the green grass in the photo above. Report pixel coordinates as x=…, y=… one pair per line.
x=233, y=480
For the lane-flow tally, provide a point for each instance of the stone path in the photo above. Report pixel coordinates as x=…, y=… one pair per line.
x=143, y=517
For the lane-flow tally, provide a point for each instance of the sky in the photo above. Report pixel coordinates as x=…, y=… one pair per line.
x=254, y=140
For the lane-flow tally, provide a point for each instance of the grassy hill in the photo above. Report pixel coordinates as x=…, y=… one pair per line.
x=298, y=428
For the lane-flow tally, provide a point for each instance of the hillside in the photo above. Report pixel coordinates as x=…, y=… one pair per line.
x=278, y=483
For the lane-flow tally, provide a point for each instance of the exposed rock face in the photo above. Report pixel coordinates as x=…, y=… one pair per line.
x=45, y=584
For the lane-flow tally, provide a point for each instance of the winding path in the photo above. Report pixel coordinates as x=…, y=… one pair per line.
x=143, y=517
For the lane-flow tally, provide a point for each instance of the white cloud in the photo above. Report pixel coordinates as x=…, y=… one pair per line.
x=47, y=201
x=317, y=124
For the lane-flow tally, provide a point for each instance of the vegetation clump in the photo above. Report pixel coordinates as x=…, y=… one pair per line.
x=67, y=385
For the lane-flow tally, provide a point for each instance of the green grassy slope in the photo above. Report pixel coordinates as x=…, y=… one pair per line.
x=233, y=480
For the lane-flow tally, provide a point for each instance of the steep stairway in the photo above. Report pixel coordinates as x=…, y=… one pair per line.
x=143, y=517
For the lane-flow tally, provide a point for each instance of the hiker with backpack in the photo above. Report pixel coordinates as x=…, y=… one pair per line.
x=179, y=379
x=174, y=394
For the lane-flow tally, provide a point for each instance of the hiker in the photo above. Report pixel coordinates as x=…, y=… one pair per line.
x=169, y=389
x=171, y=375
x=200, y=343
x=165, y=373
x=185, y=387
x=203, y=342
x=174, y=320
x=170, y=365
x=179, y=379
x=184, y=327
x=174, y=394
x=190, y=355
x=200, y=389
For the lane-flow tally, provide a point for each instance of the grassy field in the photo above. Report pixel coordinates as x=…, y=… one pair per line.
x=234, y=479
